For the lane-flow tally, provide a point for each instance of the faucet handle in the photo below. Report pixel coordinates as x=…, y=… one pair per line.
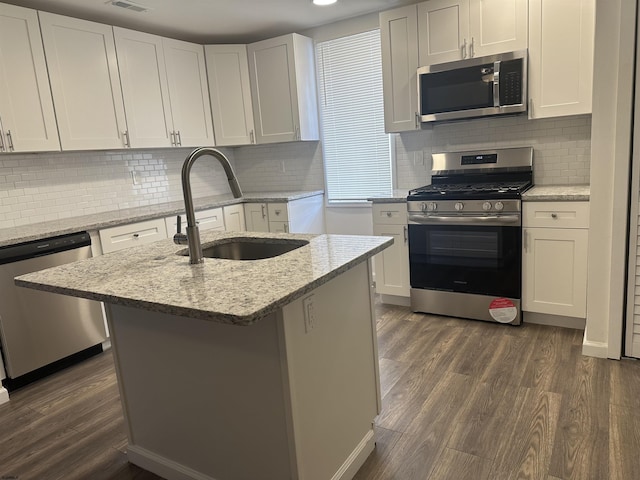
x=179, y=238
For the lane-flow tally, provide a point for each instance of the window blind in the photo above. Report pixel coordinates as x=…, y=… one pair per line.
x=356, y=152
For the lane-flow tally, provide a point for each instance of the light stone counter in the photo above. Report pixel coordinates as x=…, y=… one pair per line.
x=555, y=193
x=37, y=231
x=398, y=196
x=154, y=277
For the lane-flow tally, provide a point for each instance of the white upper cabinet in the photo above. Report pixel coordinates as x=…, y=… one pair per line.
x=189, y=93
x=443, y=31
x=399, y=37
x=283, y=89
x=451, y=30
x=85, y=83
x=27, y=120
x=144, y=88
x=230, y=92
x=561, y=39
x=165, y=91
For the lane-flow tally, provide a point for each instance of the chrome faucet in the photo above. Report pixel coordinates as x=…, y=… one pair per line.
x=192, y=237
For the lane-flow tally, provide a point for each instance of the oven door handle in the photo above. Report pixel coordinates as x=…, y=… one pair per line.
x=466, y=220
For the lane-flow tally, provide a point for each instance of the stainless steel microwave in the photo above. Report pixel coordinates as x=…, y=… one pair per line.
x=476, y=87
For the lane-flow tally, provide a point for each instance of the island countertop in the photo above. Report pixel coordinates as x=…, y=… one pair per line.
x=156, y=277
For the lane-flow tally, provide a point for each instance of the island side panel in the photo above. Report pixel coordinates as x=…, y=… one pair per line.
x=332, y=373
x=201, y=399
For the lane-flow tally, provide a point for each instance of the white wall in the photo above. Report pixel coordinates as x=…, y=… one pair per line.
x=610, y=146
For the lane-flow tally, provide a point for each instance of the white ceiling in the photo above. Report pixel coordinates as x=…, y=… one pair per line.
x=215, y=21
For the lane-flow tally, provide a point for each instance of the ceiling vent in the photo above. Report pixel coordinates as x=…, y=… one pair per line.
x=136, y=7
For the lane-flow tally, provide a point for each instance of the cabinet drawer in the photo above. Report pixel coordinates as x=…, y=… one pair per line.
x=390, y=214
x=279, y=227
x=212, y=219
x=278, y=212
x=123, y=236
x=555, y=214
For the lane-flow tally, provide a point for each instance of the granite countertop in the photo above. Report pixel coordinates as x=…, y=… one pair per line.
x=154, y=277
x=37, y=231
x=554, y=193
x=396, y=196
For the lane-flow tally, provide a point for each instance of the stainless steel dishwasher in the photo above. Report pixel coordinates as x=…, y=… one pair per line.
x=40, y=331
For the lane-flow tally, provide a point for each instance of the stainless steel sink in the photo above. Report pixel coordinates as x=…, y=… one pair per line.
x=250, y=248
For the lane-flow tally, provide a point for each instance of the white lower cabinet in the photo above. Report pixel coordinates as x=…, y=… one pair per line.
x=234, y=218
x=211, y=219
x=134, y=234
x=392, y=264
x=554, y=266
x=305, y=215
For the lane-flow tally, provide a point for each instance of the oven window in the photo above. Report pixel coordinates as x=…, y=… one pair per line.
x=484, y=260
x=465, y=249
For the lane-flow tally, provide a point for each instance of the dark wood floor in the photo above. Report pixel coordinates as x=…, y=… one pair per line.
x=461, y=400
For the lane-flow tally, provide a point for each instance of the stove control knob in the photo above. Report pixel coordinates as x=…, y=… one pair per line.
x=432, y=206
x=499, y=206
x=486, y=206
x=459, y=206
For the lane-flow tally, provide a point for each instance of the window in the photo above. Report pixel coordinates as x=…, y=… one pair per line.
x=356, y=149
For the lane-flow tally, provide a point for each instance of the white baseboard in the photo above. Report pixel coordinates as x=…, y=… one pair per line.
x=4, y=395
x=395, y=300
x=554, y=320
x=595, y=349
x=357, y=458
x=161, y=466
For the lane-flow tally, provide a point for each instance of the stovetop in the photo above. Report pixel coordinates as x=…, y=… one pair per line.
x=466, y=190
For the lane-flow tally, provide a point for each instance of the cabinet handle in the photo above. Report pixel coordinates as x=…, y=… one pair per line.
x=2, y=147
x=277, y=212
x=264, y=210
x=554, y=215
x=296, y=133
x=125, y=136
x=526, y=241
x=531, y=108
x=417, y=120
x=406, y=234
x=463, y=49
x=251, y=140
x=389, y=214
x=179, y=139
x=286, y=228
x=136, y=235
x=173, y=138
x=471, y=48
x=10, y=141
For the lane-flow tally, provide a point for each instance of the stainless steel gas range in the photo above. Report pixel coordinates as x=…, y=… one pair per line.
x=465, y=235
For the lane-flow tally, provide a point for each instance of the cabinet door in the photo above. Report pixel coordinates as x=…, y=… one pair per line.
x=230, y=92
x=26, y=107
x=399, y=36
x=234, y=218
x=81, y=57
x=189, y=93
x=497, y=26
x=561, y=39
x=392, y=264
x=144, y=88
x=273, y=87
x=554, y=271
x=443, y=31
x=255, y=215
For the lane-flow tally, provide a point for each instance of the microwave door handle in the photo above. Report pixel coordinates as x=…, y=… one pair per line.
x=496, y=84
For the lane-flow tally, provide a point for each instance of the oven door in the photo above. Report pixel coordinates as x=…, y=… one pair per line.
x=480, y=258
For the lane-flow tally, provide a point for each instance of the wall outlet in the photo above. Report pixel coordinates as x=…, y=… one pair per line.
x=309, y=314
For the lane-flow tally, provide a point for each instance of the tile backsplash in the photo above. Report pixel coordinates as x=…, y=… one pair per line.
x=49, y=186
x=562, y=146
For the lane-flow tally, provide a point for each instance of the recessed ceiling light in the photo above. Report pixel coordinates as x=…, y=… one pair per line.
x=324, y=2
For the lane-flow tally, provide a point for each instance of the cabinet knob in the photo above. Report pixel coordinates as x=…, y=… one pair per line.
x=554, y=215
x=136, y=235
x=389, y=214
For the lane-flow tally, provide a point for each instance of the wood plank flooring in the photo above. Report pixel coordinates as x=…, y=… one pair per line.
x=461, y=400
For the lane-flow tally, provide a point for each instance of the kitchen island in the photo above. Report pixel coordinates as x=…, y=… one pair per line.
x=240, y=369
